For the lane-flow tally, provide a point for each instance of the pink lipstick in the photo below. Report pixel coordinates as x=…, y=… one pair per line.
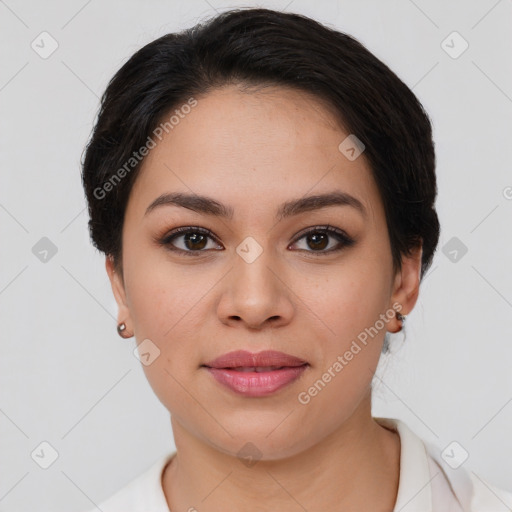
x=256, y=375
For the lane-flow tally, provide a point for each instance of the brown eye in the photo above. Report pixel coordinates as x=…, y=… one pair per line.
x=194, y=240
x=317, y=239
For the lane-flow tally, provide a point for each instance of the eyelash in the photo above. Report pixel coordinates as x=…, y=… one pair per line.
x=340, y=235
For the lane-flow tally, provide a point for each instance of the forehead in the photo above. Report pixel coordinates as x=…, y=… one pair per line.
x=250, y=149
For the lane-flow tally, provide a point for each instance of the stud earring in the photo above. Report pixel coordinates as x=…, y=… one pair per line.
x=121, y=330
x=401, y=318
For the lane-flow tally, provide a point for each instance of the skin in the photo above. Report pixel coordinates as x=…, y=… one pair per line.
x=253, y=151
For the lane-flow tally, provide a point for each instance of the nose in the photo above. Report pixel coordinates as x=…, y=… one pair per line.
x=256, y=294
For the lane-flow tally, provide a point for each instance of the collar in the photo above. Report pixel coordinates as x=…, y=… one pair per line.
x=414, y=488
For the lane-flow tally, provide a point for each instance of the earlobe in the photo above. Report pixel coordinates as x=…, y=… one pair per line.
x=118, y=290
x=407, y=283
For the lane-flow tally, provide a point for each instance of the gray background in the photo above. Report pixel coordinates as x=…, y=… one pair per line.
x=68, y=379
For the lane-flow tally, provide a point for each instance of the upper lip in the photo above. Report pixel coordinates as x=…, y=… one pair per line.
x=242, y=358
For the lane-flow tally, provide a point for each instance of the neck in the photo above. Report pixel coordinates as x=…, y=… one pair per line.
x=356, y=467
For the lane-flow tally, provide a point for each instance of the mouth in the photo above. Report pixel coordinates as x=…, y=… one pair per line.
x=256, y=369
x=267, y=359
x=256, y=375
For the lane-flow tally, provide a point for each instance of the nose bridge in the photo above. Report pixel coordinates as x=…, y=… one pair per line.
x=255, y=291
x=253, y=267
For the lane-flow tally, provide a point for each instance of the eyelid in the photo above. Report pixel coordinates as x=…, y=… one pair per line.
x=166, y=239
x=345, y=241
x=343, y=238
x=332, y=230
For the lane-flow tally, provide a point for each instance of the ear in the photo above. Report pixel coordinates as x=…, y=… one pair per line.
x=117, y=285
x=406, y=285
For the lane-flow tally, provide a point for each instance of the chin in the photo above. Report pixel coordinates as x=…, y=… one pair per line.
x=268, y=438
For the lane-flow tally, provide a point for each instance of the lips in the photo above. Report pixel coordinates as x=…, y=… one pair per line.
x=256, y=375
x=268, y=359
x=257, y=369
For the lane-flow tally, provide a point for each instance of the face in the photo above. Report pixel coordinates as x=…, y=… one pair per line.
x=266, y=277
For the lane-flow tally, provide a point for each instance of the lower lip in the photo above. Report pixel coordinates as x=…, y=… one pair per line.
x=256, y=384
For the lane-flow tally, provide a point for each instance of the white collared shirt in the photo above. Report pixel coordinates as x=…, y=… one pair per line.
x=426, y=484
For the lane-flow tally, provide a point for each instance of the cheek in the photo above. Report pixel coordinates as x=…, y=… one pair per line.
x=165, y=307
x=347, y=350
x=348, y=299
x=162, y=294
x=347, y=309
x=167, y=326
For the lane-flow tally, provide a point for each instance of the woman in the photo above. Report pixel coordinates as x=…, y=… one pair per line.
x=263, y=189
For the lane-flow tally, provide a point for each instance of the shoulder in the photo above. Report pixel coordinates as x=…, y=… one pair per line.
x=142, y=493
x=474, y=492
x=487, y=496
x=433, y=478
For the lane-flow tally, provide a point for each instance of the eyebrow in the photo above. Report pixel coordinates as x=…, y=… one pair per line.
x=209, y=206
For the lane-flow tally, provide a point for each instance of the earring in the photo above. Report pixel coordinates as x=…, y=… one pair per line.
x=121, y=328
x=401, y=318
